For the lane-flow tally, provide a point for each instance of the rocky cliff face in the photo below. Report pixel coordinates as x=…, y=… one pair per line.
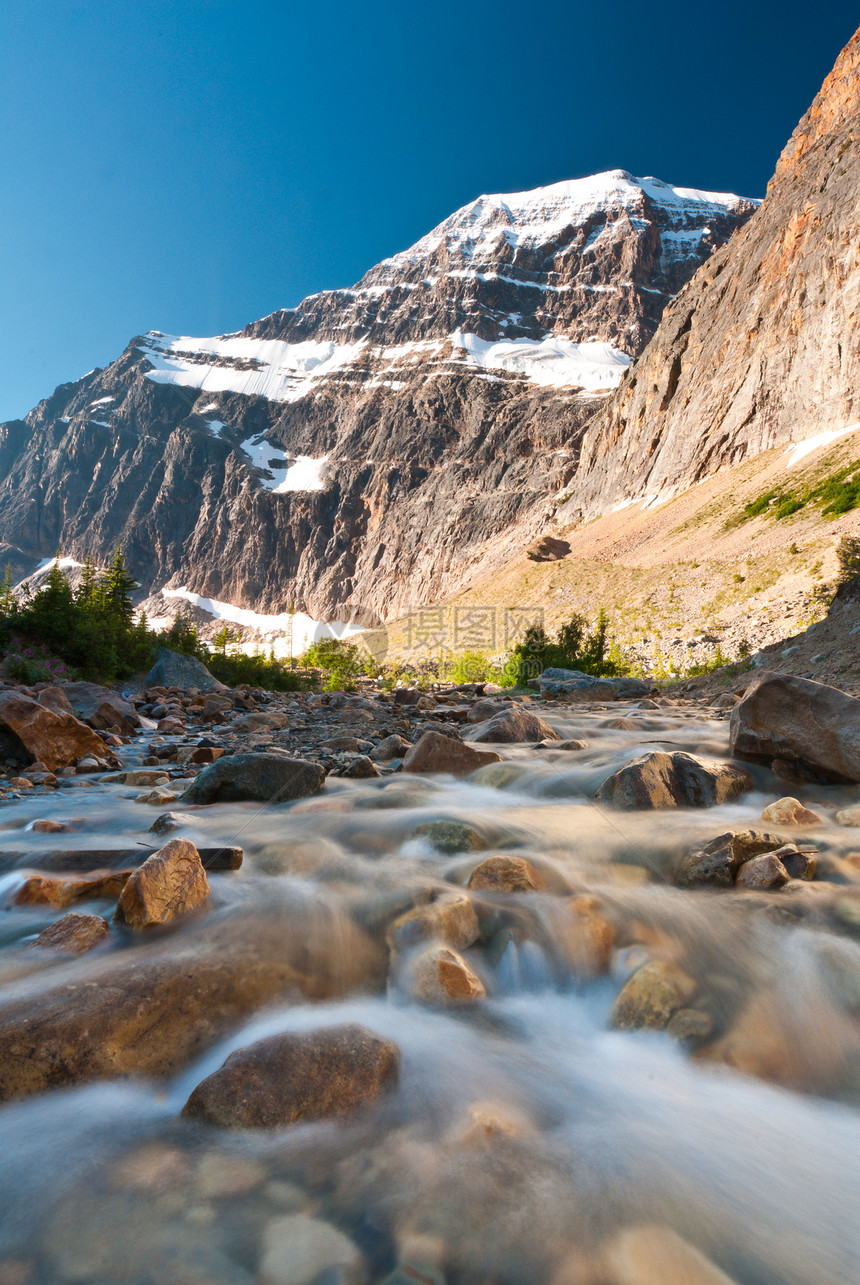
x=762, y=346
x=351, y=457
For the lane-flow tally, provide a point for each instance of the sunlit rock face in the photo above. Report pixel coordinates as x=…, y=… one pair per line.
x=761, y=347
x=355, y=455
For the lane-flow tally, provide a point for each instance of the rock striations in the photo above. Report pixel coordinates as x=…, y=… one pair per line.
x=761, y=347
x=355, y=455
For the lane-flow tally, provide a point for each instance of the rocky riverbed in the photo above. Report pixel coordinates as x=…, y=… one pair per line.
x=446, y=987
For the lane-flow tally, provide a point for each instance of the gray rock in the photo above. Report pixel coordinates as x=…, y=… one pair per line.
x=573, y=683
x=271, y=778
x=103, y=709
x=799, y=722
x=172, y=669
x=514, y=726
x=298, y=1250
x=673, y=780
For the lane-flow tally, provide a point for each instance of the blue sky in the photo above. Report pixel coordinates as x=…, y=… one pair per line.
x=192, y=166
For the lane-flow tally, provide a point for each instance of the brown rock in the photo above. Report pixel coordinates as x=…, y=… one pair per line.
x=450, y=918
x=361, y=768
x=55, y=698
x=799, y=864
x=760, y=873
x=486, y=708
x=848, y=816
x=586, y=937
x=392, y=747
x=789, y=811
x=437, y=753
x=515, y=726
x=505, y=874
x=439, y=974
x=719, y=861
x=293, y=1077
x=650, y=997
x=102, y=708
x=170, y=883
x=62, y=890
x=809, y=724
x=151, y=1010
x=673, y=780
x=53, y=739
x=690, y=1024
x=74, y=933
x=653, y=1255
x=548, y=549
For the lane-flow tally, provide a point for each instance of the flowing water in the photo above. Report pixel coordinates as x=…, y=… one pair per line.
x=525, y=1135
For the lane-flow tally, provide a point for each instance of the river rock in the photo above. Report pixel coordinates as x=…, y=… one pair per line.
x=271, y=778
x=585, y=936
x=514, y=726
x=151, y=1010
x=170, y=883
x=848, y=816
x=450, y=836
x=484, y=709
x=810, y=725
x=55, y=698
x=169, y=821
x=435, y=752
x=650, y=997
x=654, y=1255
x=171, y=669
x=790, y=811
x=505, y=874
x=361, y=768
x=288, y=1078
x=799, y=864
x=74, y=934
x=392, y=747
x=62, y=890
x=673, y=780
x=43, y=736
x=450, y=918
x=439, y=974
x=299, y=1250
x=261, y=721
x=579, y=686
x=102, y=708
x=719, y=861
x=761, y=873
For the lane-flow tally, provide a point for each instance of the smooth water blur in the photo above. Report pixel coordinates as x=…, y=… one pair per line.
x=524, y=1133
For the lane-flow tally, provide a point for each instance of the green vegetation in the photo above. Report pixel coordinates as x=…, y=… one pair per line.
x=839, y=493
x=342, y=662
x=848, y=556
x=576, y=646
x=93, y=632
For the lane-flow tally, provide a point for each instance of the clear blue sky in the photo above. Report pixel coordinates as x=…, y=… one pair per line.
x=190, y=166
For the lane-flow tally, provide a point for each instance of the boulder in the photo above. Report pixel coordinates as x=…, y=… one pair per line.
x=650, y=997
x=505, y=874
x=288, y=1078
x=393, y=747
x=653, y=1255
x=299, y=1250
x=585, y=936
x=435, y=752
x=673, y=780
x=762, y=873
x=38, y=734
x=102, y=708
x=719, y=861
x=56, y=699
x=450, y=836
x=516, y=725
x=62, y=889
x=450, y=919
x=439, y=974
x=271, y=778
x=484, y=709
x=848, y=816
x=170, y=883
x=789, y=811
x=361, y=768
x=172, y=669
x=548, y=549
x=814, y=727
x=152, y=1010
x=73, y=934
x=580, y=686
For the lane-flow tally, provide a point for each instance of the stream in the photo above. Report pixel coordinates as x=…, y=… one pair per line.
x=525, y=1136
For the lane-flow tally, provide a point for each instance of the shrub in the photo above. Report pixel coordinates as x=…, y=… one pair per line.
x=577, y=645
x=35, y=665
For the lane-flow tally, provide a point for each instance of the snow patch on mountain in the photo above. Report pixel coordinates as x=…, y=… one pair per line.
x=276, y=630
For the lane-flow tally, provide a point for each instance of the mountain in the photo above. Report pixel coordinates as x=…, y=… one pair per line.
x=761, y=347
x=354, y=455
